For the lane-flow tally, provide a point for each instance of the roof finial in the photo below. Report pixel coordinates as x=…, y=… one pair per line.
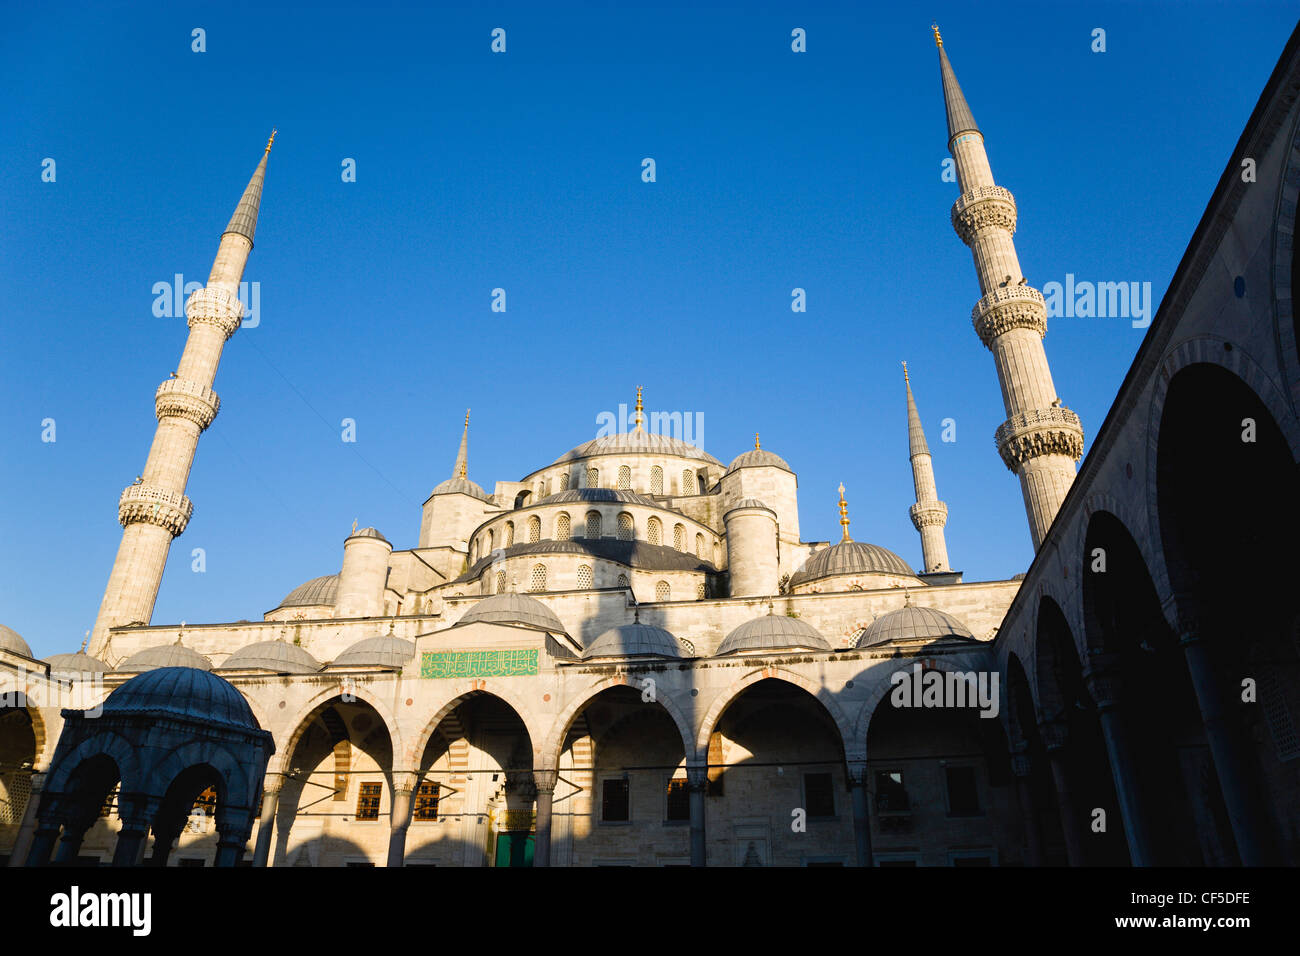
x=270, y=141
x=757, y=446
x=905, y=378
x=354, y=525
x=637, y=419
x=467, y=410
x=938, y=40
x=462, y=454
x=844, y=514
x=85, y=642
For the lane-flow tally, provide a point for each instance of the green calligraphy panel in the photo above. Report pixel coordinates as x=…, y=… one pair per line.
x=443, y=665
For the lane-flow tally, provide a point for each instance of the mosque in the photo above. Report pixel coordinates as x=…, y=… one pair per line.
x=630, y=656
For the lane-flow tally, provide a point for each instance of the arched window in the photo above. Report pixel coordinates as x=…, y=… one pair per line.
x=654, y=531
x=622, y=580
x=699, y=591
x=564, y=481
x=699, y=545
x=537, y=581
x=688, y=482
x=548, y=486
x=593, y=477
x=492, y=539
x=473, y=551
x=624, y=478
x=663, y=592
x=701, y=485
x=534, y=529
x=501, y=581
x=625, y=527
x=541, y=488
x=562, y=527
x=656, y=480
x=584, y=576
x=593, y=524
x=679, y=537
x=510, y=534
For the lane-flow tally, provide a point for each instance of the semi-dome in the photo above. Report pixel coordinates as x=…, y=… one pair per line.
x=278, y=657
x=773, y=632
x=386, y=651
x=11, y=640
x=913, y=624
x=164, y=655
x=637, y=442
x=850, y=557
x=758, y=458
x=317, y=591
x=598, y=495
x=461, y=486
x=184, y=692
x=77, y=663
x=511, y=608
x=634, y=640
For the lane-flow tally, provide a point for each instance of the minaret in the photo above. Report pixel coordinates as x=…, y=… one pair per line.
x=462, y=456
x=929, y=514
x=154, y=509
x=1040, y=440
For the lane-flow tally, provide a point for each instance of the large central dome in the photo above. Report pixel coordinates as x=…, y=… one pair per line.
x=637, y=442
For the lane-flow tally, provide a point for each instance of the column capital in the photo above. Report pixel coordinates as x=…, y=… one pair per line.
x=544, y=781
x=1055, y=732
x=856, y=770
x=1101, y=674
x=1022, y=765
x=136, y=810
x=697, y=776
x=405, y=781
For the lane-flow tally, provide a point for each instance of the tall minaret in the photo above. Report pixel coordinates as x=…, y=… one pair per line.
x=1040, y=440
x=929, y=514
x=155, y=508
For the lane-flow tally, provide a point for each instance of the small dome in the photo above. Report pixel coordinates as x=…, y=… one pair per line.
x=11, y=640
x=164, y=655
x=747, y=503
x=636, y=442
x=758, y=458
x=913, y=624
x=368, y=533
x=386, y=651
x=78, y=663
x=511, y=608
x=317, y=591
x=461, y=486
x=278, y=657
x=183, y=692
x=851, y=557
x=773, y=632
x=634, y=640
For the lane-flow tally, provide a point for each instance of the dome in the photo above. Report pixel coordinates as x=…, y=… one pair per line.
x=758, y=458
x=634, y=640
x=368, y=533
x=773, y=632
x=913, y=624
x=597, y=495
x=511, y=608
x=278, y=657
x=460, y=486
x=387, y=651
x=747, y=503
x=78, y=663
x=316, y=591
x=11, y=640
x=851, y=557
x=183, y=692
x=162, y=656
x=637, y=442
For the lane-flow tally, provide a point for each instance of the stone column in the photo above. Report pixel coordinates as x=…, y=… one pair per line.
x=27, y=828
x=266, y=823
x=1102, y=679
x=697, y=782
x=135, y=811
x=400, y=818
x=544, y=781
x=1054, y=736
x=857, y=775
x=167, y=828
x=1022, y=767
x=234, y=826
x=75, y=824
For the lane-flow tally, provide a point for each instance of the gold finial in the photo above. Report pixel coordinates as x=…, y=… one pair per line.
x=85, y=642
x=938, y=40
x=905, y=378
x=757, y=446
x=638, y=418
x=467, y=418
x=354, y=525
x=270, y=141
x=844, y=514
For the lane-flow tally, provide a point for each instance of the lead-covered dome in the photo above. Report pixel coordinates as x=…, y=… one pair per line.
x=909, y=624
x=77, y=663
x=758, y=458
x=511, y=608
x=461, y=486
x=11, y=640
x=386, y=651
x=634, y=640
x=278, y=657
x=184, y=692
x=162, y=656
x=637, y=442
x=317, y=591
x=850, y=557
x=773, y=632
x=607, y=495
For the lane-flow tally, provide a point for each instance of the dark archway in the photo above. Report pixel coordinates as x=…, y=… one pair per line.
x=1044, y=840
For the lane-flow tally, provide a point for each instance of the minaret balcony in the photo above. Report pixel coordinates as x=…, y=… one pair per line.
x=216, y=307
x=1043, y=431
x=147, y=504
x=927, y=514
x=181, y=398
x=1007, y=308
x=982, y=207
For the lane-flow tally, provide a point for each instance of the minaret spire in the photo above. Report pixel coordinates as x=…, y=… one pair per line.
x=844, y=515
x=462, y=456
x=638, y=417
x=1040, y=440
x=929, y=514
x=154, y=509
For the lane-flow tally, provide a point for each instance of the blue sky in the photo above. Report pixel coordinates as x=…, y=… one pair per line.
x=521, y=170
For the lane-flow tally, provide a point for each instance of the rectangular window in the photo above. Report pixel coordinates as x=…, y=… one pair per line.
x=614, y=800
x=818, y=795
x=368, y=802
x=426, y=802
x=891, y=795
x=963, y=794
x=679, y=801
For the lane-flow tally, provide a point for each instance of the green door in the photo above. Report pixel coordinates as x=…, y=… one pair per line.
x=514, y=849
